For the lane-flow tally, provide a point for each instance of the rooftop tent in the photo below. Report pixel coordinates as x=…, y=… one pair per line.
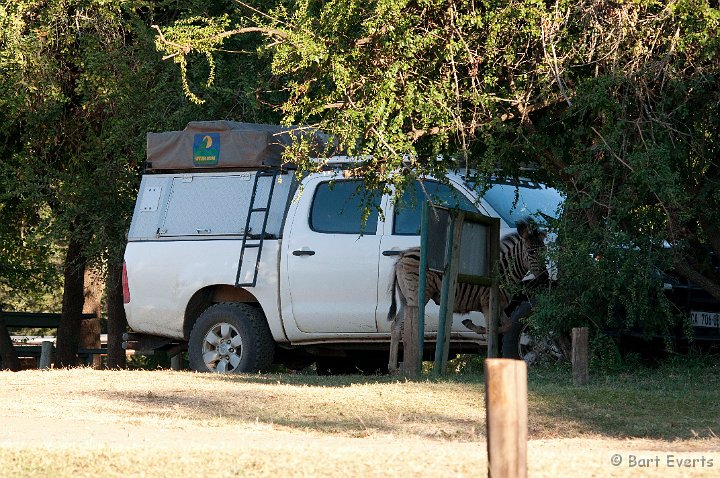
x=220, y=144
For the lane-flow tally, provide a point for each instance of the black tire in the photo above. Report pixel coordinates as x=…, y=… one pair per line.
x=231, y=337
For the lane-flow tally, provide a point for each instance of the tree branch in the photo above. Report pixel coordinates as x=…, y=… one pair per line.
x=416, y=134
x=187, y=48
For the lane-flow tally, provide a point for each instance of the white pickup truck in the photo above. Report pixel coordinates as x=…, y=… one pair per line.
x=251, y=268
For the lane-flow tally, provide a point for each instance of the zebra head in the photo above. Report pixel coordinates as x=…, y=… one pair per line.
x=533, y=251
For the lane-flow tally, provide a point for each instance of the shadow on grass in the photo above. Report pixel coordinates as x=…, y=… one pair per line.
x=349, y=405
x=300, y=379
x=335, y=381
x=667, y=403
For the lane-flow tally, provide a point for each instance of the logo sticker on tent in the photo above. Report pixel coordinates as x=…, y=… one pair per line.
x=206, y=149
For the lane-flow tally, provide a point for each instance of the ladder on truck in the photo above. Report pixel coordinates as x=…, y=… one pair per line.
x=255, y=240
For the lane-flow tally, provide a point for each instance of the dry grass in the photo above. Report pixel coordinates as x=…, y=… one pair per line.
x=125, y=423
x=338, y=405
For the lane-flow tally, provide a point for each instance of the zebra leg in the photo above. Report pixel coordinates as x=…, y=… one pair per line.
x=505, y=323
x=504, y=326
x=511, y=339
x=475, y=328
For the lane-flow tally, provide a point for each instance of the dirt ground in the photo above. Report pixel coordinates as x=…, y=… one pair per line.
x=305, y=453
x=121, y=424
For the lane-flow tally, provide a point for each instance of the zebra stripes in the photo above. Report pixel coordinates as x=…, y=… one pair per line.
x=520, y=252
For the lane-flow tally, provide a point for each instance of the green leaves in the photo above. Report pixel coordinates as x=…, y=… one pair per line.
x=81, y=85
x=200, y=34
x=614, y=102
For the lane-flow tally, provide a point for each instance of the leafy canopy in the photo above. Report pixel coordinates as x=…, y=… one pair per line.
x=613, y=103
x=81, y=84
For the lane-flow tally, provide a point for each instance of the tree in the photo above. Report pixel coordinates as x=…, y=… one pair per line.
x=614, y=103
x=81, y=86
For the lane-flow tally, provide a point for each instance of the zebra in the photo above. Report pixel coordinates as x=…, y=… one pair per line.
x=520, y=252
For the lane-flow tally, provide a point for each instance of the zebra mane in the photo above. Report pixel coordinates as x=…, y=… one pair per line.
x=510, y=235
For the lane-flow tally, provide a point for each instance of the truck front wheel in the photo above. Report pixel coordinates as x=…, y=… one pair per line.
x=231, y=338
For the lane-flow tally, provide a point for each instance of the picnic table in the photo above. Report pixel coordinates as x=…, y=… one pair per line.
x=14, y=350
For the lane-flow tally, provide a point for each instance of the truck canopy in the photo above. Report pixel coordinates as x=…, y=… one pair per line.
x=222, y=144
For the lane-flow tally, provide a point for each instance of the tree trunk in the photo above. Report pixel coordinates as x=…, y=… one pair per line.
x=683, y=267
x=8, y=357
x=68, y=335
x=90, y=328
x=117, y=322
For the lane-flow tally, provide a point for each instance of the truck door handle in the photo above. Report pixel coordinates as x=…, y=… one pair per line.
x=303, y=253
x=391, y=253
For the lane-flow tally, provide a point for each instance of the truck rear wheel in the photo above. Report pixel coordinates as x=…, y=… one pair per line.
x=231, y=338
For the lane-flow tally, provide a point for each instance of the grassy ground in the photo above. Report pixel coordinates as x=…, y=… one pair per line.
x=160, y=423
x=668, y=403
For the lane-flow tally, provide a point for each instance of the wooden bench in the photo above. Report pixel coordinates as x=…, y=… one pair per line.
x=41, y=320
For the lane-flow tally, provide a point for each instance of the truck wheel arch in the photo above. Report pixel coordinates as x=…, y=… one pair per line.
x=210, y=295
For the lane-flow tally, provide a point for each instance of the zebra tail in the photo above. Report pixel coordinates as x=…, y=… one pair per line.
x=392, y=313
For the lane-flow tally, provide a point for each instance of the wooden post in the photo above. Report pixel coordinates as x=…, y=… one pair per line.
x=447, y=296
x=413, y=334
x=580, y=356
x=506, y=417
x=411, y=357
x=492, y=323
x=46, y=354
x=422, y=286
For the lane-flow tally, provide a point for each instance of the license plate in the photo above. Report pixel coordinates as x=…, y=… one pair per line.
x=705, y=319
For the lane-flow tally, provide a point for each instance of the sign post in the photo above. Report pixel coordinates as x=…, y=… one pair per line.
x=463, y=246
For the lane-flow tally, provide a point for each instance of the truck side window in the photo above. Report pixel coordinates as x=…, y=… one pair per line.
x=408, y=210
x=338, y=207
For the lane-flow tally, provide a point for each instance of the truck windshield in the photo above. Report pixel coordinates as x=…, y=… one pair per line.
x=515, y=200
